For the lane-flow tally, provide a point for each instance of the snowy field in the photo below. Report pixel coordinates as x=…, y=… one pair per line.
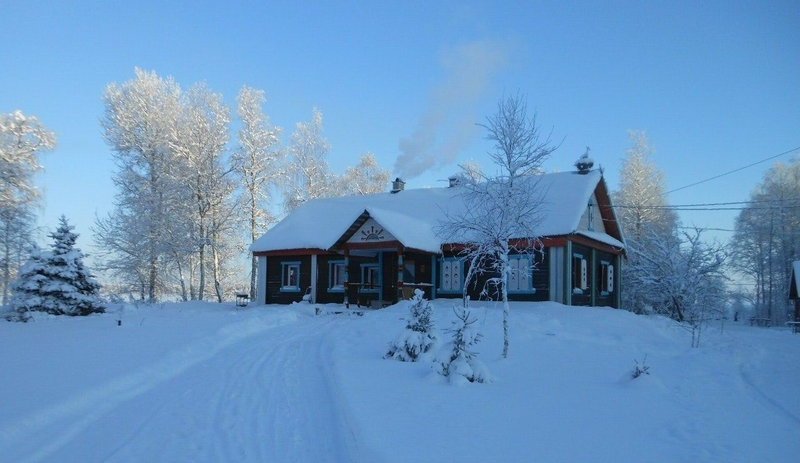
x=207, y=382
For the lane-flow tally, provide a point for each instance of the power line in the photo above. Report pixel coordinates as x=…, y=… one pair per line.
x=733, y=171
x=730, y=203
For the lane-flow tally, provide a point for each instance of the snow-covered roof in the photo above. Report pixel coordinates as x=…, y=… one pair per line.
x=413, y=216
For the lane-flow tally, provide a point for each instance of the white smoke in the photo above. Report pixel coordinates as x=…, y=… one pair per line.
x=448, y=124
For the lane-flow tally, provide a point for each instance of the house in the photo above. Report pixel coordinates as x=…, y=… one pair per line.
x=376, y=249
x=794, y=289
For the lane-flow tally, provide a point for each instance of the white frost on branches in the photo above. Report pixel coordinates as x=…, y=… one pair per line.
x=505, y=209
x=22, y=139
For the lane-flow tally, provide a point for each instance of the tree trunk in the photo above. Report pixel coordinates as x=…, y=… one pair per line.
x=181, y=278
x=254, y=263
x=504, y=273
x=217, y=284
x=6, y=265
x=202, y=286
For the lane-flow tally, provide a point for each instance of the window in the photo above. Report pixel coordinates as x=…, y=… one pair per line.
x=337, y=273
x=579, y=274
x=408, y=272
x=452, y=269
x=590, y=216
x=290, y=276
x=606, y=278
x=370, y=277
x=520, y=279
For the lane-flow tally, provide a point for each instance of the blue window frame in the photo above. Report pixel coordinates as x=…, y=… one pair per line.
x=520, y=279
x=451, y=275
x=290, y=277
x=371, y=276
x=337, y=272
x=606, y=278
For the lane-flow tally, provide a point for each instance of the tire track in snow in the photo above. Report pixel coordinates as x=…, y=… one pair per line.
x=73, y=416
x=269, y=399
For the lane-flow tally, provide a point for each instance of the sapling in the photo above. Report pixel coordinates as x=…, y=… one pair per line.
x=640, y=370
x=419, y=336
x=462, y=364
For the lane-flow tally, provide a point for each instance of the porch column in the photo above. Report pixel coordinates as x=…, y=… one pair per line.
x=618, y=281
x=346, y=283
x=568, y=273
x=261, y=278
x=313, y=278
x=433, y=276
x=400, y=269
x=594, y=277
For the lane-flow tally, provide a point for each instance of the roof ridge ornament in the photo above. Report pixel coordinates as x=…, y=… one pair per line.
x=584, y=163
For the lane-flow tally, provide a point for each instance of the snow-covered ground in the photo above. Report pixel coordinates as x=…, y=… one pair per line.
x=207, y=382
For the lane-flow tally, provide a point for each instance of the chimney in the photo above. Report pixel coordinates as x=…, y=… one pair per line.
x=398, y=185
x=453, y=180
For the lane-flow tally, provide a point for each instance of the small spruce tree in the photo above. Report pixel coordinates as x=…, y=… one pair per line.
x=462, y=365
x=419, y=337
x=68, y=288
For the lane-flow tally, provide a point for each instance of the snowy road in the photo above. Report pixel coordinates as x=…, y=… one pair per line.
x=261, y=397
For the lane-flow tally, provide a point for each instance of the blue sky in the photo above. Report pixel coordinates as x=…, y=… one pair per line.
x=715, y=84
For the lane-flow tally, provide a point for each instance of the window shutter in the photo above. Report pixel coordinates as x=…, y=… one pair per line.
x=524, y=273
x=610, y=278
x=583, y=274
x=455, y=271
x=446, y=275
x=513, y=277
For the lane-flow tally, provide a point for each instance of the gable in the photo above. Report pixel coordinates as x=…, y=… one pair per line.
x=371, y=232
x=597, y=222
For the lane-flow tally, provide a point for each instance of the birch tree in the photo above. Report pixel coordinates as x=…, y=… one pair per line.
x=366, y=177
x=257, y=163
x=504, y=210
x=767, y=239
x=308, y=176
x=198, y=141
x=138, y=124
x=641, y=208
x=22, y=139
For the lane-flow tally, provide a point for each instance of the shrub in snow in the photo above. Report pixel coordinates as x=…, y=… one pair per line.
x=640, y=370
x=463, y=365
x=419, y=337
x=57, y=282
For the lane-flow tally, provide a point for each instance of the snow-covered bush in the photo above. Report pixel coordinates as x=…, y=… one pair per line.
x=56, y=281
x=419, y=337
x=462, y=364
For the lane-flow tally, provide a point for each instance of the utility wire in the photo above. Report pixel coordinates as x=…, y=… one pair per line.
x=733, y=171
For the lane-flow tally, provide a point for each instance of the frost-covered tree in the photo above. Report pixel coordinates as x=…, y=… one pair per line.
x=685, y=279
x=27, y=289
x=257, y=163
x=364, y=178
x=57, y=281
x=462, y=364
x=419, y=337
x=642, y=210
x=505, y=210
x=22, y=139
x=139, y=124
x=767, y=239
x=307, y=171
x=198, y=142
